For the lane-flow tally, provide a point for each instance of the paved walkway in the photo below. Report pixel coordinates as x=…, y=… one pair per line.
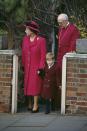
x=41, y=122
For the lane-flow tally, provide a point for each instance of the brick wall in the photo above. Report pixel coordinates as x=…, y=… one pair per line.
x=76, y=85
x=6, y=61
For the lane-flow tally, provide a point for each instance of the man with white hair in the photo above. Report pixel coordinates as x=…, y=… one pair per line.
x=67, y=35
x=63, y=20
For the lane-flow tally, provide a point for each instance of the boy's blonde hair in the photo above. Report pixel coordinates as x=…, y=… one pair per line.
x=50, y=55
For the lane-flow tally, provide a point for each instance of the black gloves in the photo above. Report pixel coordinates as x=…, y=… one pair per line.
x=41, y=73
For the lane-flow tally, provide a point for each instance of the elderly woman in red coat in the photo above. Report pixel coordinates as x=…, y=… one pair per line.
x=33, y=59
x=67, y=35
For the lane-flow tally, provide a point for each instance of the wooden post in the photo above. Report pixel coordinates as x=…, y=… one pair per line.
x=14, y=84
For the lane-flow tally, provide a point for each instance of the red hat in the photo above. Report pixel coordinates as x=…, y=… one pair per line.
x=32, y=25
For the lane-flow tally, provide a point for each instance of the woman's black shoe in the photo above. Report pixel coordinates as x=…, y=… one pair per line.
x=35, y=111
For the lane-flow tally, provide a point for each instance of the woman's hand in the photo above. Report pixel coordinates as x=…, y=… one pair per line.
x=41, y=73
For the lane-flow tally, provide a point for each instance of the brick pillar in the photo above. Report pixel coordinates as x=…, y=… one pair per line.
x=6, y=76
x=76, y=84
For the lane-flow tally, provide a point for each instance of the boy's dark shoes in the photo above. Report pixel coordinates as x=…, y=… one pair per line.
x=47, y=112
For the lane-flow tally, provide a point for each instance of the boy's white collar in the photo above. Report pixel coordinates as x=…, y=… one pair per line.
x=50, y=65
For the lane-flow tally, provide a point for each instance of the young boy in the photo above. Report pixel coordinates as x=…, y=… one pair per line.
x=49, y=91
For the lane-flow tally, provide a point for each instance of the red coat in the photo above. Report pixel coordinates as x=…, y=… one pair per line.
x=50, y=83
x=67, y=41
x=33, y=58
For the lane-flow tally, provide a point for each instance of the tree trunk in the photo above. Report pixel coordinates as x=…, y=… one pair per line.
x=10, y=39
